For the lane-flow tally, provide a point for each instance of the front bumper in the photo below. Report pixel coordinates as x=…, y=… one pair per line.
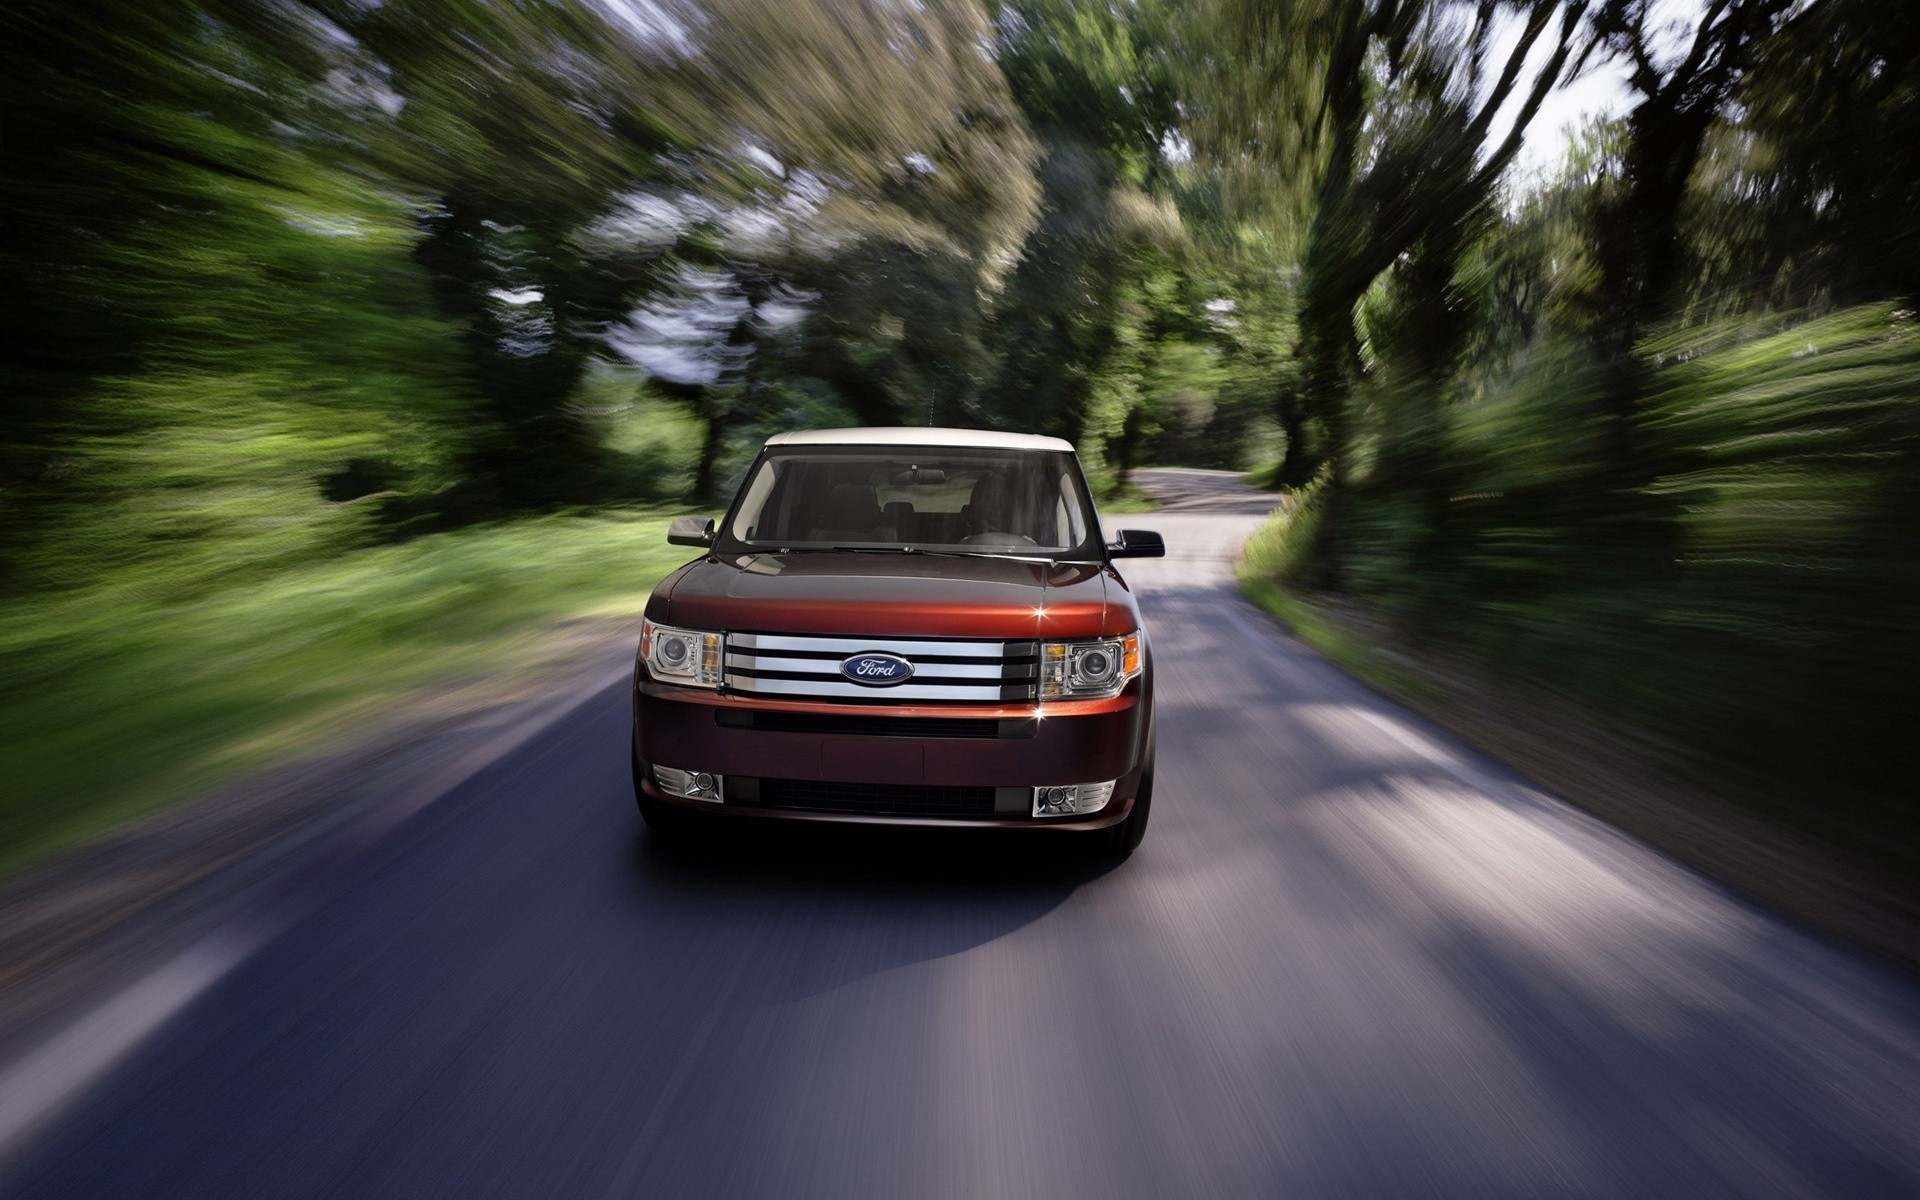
x=959, y=746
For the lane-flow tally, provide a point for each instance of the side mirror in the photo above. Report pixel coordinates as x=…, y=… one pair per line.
x=691, y=531
x=1138, y=543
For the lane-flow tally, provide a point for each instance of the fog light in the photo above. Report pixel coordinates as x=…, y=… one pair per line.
x=694, y=785
x=1075, y=799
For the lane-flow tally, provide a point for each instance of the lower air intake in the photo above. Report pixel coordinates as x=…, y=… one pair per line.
x=873, y=799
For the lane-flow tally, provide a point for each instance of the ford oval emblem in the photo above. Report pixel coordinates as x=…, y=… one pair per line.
x=874, y=669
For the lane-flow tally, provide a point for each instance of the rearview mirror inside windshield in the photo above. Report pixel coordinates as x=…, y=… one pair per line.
x=913, y=475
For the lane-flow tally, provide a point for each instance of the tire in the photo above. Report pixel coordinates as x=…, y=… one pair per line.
x=1123, y=839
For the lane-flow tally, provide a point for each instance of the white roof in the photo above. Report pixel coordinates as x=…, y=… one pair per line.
x=909, y=435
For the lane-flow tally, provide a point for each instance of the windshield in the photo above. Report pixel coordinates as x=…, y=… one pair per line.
x=936, y=499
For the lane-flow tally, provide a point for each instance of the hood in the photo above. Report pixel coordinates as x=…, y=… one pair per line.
x=889, y=594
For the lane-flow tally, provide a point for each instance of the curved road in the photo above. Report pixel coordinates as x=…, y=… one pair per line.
x=1353, y=959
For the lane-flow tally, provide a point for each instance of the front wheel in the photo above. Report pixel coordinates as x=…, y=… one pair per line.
x=1123, y=839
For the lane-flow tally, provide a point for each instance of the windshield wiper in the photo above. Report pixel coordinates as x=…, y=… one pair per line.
x=938, y=553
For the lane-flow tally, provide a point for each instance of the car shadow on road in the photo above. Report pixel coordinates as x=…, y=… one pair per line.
x=864, y=859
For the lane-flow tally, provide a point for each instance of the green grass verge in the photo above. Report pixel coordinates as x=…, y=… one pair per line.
x=1266, y=478
x=123, y=700
x=1127, y=499
x=1269, y=555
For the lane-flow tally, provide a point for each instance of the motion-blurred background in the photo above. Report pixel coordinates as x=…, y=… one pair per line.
x=346, y=339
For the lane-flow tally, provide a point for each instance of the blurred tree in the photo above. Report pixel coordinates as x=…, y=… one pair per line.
x=1646, y=429
x=879, y=179
x=825, y=150
x=1101, y=283
x=1807, y=195
x=218, y=354
x=1636, y=238
x=516, y=124
x=1389, y=106
x=288, y=275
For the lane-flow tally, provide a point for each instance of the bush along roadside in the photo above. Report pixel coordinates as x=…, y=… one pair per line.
x=128, y=697
x=1711, y=813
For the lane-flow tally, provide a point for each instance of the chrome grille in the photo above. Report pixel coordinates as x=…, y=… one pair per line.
x=766, y=664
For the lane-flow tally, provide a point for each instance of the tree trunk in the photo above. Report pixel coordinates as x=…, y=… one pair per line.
x=1328, y=355
x=1296, y=457
x=1638, y=248
x=1127, y=447
x=711, y=443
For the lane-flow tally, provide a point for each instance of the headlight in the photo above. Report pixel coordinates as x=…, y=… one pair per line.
x=1088, y=670
x=688, y=657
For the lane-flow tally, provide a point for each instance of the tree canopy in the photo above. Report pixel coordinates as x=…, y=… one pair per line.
x=289, y=277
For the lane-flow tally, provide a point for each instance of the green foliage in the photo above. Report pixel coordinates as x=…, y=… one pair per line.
x=295, y=286
x=1281, y=551
x=1782, y=634
x=268, y=378
x=1808, y=197
x=1373, y=119
x=1798, y=498
x=1614, y=432
x=307, y=299
x=124, y=697
x=1101, y=325
x=650, y=442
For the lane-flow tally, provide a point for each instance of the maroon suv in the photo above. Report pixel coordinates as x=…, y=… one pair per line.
x=901, y=627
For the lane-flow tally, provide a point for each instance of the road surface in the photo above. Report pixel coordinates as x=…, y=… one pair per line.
x=1353, y=959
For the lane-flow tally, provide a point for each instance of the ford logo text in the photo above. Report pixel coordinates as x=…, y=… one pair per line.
x=876, y=669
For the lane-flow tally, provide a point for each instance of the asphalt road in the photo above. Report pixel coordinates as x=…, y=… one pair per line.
x=1353, y=959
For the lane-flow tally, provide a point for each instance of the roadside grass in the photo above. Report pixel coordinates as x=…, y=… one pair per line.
x=1266, y=478
x=1269, y=557
x=121, y=700
x=1126, y=498
x=1359, y=658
